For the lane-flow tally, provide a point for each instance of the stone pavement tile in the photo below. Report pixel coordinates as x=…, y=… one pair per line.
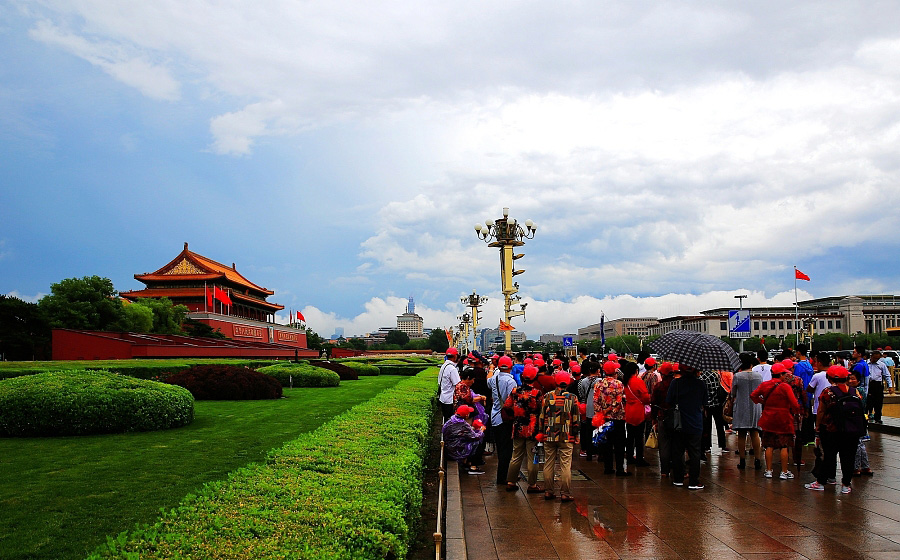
x=515, y=546
x=881, y=555
x=821, y=547
x=778, y=556
x=639, y=542
x=882, y=507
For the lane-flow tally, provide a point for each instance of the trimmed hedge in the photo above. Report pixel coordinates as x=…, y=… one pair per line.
x=400, y=369
x=226, y=383
x=363, y=368
x=351, y=489
x=141, y=369
x=344, y=372
x=80, y=402
x=303, y=375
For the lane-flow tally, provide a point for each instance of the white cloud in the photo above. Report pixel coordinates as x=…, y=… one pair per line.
x=29, y=299
x=132, y=69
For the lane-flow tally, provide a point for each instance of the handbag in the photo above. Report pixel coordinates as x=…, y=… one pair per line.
x=652, y=440
x=728, y=409
x=676, y=419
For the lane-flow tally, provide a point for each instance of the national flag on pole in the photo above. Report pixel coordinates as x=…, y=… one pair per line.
x=449, y=336
x=763, y=341
x=221, y=295
x=800, y=276
x=300, y=317
x=602, y=332
x=209, y=297
x=504, y=326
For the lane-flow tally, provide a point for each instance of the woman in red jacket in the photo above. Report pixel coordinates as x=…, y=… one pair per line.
x=637, y=397
x=779, y=405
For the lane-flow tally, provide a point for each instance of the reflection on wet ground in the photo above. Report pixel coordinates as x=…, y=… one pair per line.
x=740, y=514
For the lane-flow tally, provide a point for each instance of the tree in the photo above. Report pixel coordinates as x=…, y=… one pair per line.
x=24, y=330
x=437, y=341
x=528, y=345
x=358, y=344
x=167, y=317
x=88, y=303
x=313, y=340
x=193, y=327
x=138, y=318
x=399, y=338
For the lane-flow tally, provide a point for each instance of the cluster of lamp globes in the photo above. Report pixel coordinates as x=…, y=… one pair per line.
x=485, y=229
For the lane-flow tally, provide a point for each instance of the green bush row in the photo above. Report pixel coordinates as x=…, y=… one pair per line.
x=302, y=375
x=351, y=489
x=141, y=369
x=89, y=402
x=400, y=369
x=362, y=368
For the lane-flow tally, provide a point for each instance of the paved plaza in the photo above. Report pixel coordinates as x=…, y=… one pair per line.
x=740, y=514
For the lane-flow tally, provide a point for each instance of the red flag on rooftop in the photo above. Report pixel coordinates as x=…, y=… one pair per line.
x=800, y=276
x=222, y=295
x=300, y=317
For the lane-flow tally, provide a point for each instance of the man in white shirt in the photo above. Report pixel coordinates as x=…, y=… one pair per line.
x=448, y=377
x=878, y=377
x=764, y=369
x=820, y=362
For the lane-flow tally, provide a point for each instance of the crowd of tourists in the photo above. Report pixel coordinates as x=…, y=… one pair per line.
x=519, y=407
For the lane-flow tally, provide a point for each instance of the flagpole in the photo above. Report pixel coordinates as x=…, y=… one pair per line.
x=796, y=311
x=205, y=298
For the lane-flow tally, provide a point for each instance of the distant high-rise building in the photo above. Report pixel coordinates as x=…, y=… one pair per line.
x=409, y=322
x=411, y=306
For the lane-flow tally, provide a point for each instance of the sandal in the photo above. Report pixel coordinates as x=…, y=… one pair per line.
x=511, y=487
x=549, y=496
x=565, y=498
x=534, y=490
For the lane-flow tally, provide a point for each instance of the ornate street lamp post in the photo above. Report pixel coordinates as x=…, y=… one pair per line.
x=474, y=301
x=507, y=234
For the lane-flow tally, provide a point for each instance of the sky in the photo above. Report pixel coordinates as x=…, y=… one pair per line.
x=673, y=154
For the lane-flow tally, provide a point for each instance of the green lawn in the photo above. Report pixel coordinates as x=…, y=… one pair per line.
x=60, y=497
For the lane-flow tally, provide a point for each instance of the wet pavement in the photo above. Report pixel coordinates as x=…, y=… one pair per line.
x=739, y=514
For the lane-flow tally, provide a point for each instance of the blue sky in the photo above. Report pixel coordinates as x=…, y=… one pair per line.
x=673, y=154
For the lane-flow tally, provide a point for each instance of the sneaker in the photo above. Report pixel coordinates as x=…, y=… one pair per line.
x=697, y=486
x=582, y=454
x=814, y=486
x=724, y=450
x=831, y=481
x=845, y=489
x=475, y=471
x=677, y=483
x=866, y=437
x=768, y=474
x=786, y=475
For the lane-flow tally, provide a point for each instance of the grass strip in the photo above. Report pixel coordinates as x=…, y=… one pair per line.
x=349, y=490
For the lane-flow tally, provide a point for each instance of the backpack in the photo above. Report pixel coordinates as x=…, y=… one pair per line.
x=850, y=415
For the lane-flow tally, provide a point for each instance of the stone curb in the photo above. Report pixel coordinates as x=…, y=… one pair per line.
x=454, y=536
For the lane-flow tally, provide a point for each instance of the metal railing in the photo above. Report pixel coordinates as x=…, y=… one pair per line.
x=438, y=533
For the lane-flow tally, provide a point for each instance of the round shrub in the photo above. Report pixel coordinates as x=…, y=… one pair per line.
x=218, y=382
x=303, y=375
x=80, y=402
x=345, y=373
x=363, y=369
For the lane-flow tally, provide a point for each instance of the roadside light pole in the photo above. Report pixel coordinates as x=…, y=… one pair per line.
x=506, y=234
x=740, y=299
x=474, y=301
x=464, y=332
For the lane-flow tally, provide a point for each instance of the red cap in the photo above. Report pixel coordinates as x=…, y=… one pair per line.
x=650, y=362
x=610, y=367
x=562, y=378
x=505, y=361
x=788, y=363
x=835, y=372
x=575, y=368
x=495, y=357
x=612, y=357
x=528, y=361
x=477, y=423
x=666, y=367
x=452, y=351
x=778, y=368
x=466, y=362
x=464, y=411
x=529, y=373
x=556, y=363
x=540, y=436
x=539, y=362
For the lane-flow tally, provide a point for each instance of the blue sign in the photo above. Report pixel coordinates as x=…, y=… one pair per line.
x=739, y=323
x=567, y=342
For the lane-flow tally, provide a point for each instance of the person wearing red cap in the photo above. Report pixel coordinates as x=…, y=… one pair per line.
x=461, y=440
x=659, y=410
x=522, y=409
x=609, y=399
x=799, y=389
x=559, y=421
x=545, y=381
x=841, y=422
x=501, y=386
x=637, y=399
x=777, y=421
x=448, y=377
x=585, y=392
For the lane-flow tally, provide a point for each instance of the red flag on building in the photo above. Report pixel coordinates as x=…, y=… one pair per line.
x=209, y=297
x=800, y=276
x=222, y=295
x=300, y=317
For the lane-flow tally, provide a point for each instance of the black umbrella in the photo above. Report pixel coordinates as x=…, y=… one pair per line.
x=697, y=350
